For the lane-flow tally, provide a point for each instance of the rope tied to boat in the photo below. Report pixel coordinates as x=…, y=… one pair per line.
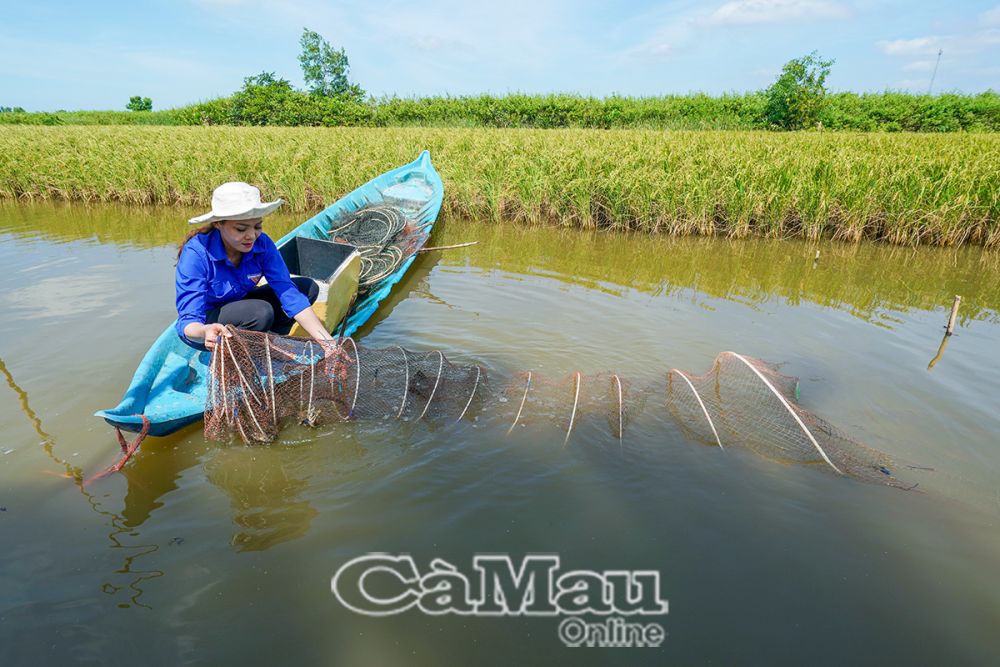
x=128, y=449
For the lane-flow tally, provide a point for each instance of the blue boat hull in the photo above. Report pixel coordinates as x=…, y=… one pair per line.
x=170, y=386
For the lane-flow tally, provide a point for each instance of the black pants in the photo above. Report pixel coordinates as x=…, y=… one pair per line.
x=260, y=309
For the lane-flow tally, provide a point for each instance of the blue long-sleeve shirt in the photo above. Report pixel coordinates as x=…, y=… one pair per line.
x=206, y=279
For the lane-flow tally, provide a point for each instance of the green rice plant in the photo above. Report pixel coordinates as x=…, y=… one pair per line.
x=903, y=188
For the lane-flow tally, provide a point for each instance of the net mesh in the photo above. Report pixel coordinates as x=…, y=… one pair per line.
x=259, y=381
x=747, y=403
x=530, y=399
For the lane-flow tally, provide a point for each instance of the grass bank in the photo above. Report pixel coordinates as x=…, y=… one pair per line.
x=901, y=188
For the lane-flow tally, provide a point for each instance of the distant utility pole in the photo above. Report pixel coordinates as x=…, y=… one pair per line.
x=938, y=62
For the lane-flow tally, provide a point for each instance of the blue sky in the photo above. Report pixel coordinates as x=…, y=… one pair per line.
x=94, y=55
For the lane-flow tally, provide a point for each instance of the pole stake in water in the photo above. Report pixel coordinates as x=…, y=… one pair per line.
x=950, y=329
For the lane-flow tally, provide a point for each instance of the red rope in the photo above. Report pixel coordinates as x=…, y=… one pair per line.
x=128, y=449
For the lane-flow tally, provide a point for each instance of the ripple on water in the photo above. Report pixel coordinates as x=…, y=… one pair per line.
x=224, y=544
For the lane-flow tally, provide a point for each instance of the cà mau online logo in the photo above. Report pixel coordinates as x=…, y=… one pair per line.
x=382, y=584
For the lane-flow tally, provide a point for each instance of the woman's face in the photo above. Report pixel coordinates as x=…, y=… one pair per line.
x=240, y=235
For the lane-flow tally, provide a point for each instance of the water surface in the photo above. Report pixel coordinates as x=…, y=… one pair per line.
x=204, y=552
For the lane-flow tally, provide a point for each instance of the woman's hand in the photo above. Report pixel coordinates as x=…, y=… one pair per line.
x=207, y=333
x=213, y=332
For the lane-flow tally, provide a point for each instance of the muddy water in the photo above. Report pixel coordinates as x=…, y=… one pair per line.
x=207, y=553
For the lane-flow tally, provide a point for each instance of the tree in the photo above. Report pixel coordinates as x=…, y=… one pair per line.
x=325, y=68
x=267, y=80
x=794, y=100
x=138, y=103
x=261, y=100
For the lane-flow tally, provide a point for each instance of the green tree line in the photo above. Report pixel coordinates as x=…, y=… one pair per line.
x=797, y=100
x=281, y=106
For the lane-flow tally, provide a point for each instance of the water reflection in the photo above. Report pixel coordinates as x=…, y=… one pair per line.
x=415, y=281
x=265, y=487
x=133, y=574
x=142, y=227
x=86, y=291
x=157, y=473
x=869, y=281
x=270, y=516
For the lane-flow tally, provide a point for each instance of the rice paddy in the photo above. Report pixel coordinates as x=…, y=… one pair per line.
x=941, y=189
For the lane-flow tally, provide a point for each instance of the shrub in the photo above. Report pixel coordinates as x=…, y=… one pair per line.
x=138, y=103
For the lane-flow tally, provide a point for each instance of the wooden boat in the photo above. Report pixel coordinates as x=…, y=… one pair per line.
x=169, y=388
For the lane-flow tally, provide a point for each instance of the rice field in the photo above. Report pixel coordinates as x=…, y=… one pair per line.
x=900, y=188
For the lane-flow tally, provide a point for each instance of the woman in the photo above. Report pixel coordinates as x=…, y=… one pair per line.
x=220, y=265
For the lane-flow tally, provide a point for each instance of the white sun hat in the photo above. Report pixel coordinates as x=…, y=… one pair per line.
x=236, y=201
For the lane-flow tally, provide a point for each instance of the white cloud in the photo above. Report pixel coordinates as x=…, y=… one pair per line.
x=962, y=54
x=678, y=31
x=953, y=45
x=438, y=46
x=740, y=12
x=659, y=50
x=659, y=33
x=987, y=38
x=991, y=17
x=918, y=46
x=514, y=33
